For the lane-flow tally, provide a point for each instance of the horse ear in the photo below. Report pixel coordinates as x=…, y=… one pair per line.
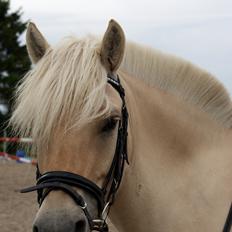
x=36, y=43
x=113, y=46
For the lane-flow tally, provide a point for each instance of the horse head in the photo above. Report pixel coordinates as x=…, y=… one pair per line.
x=81, y=164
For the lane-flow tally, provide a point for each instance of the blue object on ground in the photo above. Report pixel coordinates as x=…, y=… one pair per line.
x=20, y=153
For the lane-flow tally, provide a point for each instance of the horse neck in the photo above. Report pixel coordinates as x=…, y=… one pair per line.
x=172, y=151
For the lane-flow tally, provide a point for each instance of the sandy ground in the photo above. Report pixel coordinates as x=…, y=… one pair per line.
x=17, y=210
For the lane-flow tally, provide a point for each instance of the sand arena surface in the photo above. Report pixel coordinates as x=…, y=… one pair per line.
x=17, y=210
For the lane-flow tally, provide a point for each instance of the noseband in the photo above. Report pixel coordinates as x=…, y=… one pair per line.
x=65, y=181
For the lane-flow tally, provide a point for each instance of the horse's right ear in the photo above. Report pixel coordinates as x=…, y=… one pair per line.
x=36, y=43
x=113, y=46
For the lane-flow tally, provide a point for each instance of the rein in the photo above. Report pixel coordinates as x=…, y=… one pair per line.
x=105, y=196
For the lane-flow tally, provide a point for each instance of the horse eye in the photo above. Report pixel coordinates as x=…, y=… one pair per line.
x=110, y=124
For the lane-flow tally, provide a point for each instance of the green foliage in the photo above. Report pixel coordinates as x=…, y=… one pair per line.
x=14, y=61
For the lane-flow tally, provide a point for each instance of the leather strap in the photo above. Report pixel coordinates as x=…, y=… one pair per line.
x=228, y=223
x=67, y=178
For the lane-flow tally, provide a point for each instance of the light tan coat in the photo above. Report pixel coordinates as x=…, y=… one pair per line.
x=180, y=139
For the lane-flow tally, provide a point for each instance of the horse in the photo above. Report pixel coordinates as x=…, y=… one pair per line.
x=125, y=131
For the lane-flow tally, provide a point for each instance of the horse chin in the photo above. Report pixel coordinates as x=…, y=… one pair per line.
x=59, y=213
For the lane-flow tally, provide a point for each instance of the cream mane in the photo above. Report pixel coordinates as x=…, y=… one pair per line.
x=66, y=87
x=180, y=78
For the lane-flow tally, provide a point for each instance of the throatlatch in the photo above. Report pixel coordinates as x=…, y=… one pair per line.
x=105, y=196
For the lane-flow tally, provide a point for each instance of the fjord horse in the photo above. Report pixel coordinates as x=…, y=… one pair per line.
x=172, y=172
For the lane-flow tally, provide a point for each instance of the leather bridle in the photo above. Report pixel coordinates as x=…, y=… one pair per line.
x=66, y=181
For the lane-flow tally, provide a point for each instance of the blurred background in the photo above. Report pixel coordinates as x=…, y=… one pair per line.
x=197, y=30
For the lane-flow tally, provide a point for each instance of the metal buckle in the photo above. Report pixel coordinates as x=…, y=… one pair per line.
x=84, y=207
x=100, y=225
x=105, y=211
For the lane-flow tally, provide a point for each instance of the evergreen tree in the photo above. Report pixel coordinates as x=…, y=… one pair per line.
x=14, y=61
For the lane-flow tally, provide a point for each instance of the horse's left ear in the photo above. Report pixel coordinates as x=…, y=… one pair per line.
x=36, y=43
x=113, y=46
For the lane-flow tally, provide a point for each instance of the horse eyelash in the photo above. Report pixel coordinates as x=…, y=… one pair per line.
x=109, y=124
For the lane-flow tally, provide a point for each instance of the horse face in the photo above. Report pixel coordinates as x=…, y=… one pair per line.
x=88, y=152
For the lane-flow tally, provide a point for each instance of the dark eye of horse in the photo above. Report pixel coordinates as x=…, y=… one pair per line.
x=110, y=124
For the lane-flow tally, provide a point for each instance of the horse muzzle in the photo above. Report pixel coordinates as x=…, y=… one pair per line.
x=65, y=216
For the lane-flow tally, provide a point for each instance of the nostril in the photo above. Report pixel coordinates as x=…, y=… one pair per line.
x=35, y=229
x=80, y=226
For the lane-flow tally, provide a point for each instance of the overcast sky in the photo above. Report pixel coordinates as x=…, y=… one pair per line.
x=198, y=30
